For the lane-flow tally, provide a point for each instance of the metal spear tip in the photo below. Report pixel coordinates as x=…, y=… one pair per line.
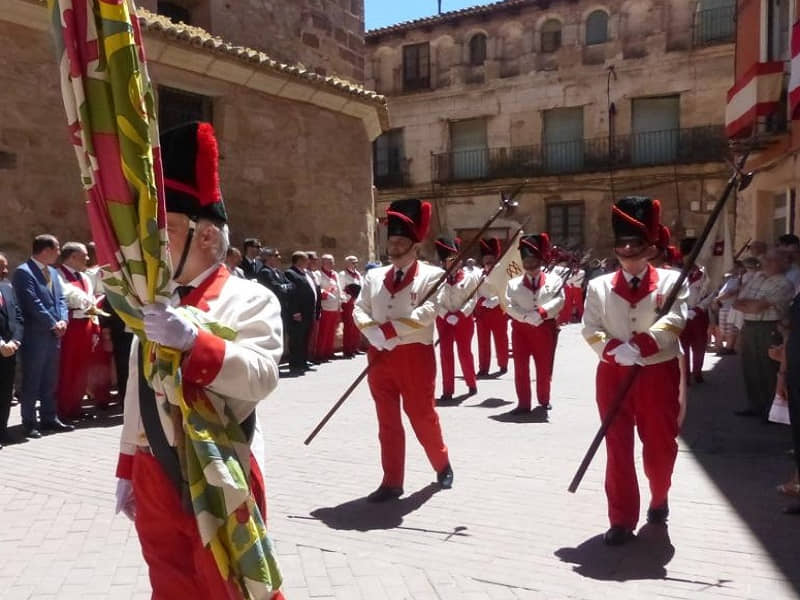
x=745, y=179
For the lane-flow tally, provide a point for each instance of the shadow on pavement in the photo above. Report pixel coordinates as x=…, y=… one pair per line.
x=360, y=515
x=746, y=459
x=537, y=415
x=644, y=557
x=491, y=403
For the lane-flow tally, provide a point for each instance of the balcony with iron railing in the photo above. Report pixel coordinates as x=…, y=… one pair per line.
x=714, y=26
x=652, y=148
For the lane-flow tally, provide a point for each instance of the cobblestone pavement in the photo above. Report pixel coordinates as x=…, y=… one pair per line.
x=508, y=529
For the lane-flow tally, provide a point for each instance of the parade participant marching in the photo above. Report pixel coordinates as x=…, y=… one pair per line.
x=533, y=302
x=227, y=369
x=331, y=300
x=456, y=300
x=402, y=361
x=573, y=293
x=351, y=282
x=490, y=320
x=694, y=338
x=621, y=324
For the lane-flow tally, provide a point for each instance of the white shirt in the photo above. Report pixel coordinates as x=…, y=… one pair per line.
x=547, y=300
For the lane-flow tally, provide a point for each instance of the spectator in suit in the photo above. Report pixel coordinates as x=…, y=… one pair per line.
x=303, y=307
x=38, y=289
x=273, y=278
x=251, y=265
x=232, y=260
x=11, y=333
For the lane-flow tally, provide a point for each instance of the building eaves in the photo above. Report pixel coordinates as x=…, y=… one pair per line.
x=449, y=17
x=200, y=38
x=238, y=64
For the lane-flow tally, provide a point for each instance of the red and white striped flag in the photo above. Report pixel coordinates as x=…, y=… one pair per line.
x=794, y=79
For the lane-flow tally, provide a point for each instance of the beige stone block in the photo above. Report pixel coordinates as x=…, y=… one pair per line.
x=186, y=58
x=227, y=70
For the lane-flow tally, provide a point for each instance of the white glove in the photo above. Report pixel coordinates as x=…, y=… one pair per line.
x=374, y=336
x=626, y=355
x=452, y=319
x=691, y=314
x=491, y=302
x=391, y=344
x=125, y=501
x=164, y=325
x=533, y=318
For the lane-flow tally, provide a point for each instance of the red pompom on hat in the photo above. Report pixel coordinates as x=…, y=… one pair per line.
x=491, y=247
x=190, y=158
x=409, y=218
x=637, y=217
x=536, y=245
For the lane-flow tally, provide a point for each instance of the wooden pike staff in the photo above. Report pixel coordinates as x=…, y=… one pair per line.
x=507, y=205
x=743, y=248
x=737, y=179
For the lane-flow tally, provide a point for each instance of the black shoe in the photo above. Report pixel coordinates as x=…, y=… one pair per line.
x=792, y=509
x=520, y=411
x=698, y=378
x=547, y=406
x=747, y=412
x=445, y=399
x=658, y=515
x=32, y=432
x=503, y=371
x=472, y=391
x=385, y=493
x=481, y=374
x=617, y=536
x=445, y=477
x=56, y=425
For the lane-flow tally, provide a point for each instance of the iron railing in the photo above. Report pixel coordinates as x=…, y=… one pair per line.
x=652, y=148
x=715, y=26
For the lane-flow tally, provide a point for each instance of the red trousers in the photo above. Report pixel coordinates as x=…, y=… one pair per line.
x=652, y=405
x=459, y=334
x=351, y=336
x=694, y=340
x=73, y=367
x=540, y=343
x=180, y=566
x=409, y=373
x=327, y=332
x=573, y=304
x=491, y=323
x=100, y=365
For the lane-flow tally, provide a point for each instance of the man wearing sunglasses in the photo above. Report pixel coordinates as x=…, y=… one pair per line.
x=623, y=324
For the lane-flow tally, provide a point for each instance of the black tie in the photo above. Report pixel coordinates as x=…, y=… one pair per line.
x=635, y=281
x=184, y=290
x=398, y=278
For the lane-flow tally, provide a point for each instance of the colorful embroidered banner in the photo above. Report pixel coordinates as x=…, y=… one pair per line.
x=110, y=106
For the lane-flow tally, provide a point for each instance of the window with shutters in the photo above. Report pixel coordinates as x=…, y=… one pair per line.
x=551, y=35
x=176, y=107
x=655, y=130
x=597, y=28
x=389, y=160
x=477, y=50
x=562, y=140
x=417, y=67
x=565, y=224
x=175, y=12
x=470, y=153
x=778, y=29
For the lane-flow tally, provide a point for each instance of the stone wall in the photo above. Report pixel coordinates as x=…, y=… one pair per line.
x=327, y=36
x=293, y=174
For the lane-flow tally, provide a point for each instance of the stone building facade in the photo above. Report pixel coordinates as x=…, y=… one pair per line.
x=295, y=147
x=582, y=101
x=761, y=121
x=326, y=36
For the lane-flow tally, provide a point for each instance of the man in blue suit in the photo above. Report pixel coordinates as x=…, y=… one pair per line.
x=11, y=331
x=44, y=309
